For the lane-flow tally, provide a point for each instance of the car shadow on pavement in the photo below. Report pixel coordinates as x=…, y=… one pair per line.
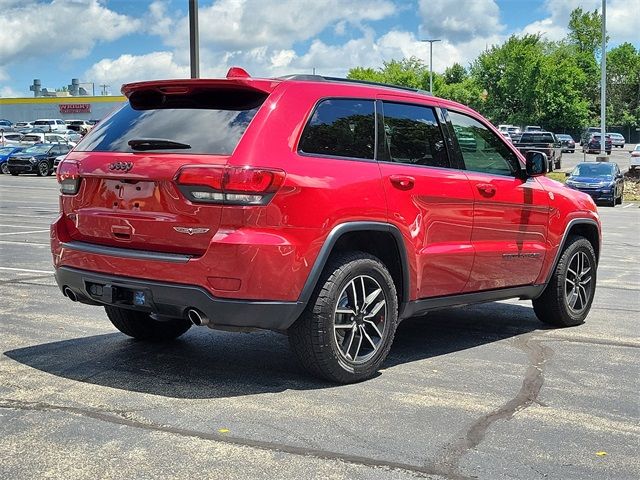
x=445, y=331
x=213, y=364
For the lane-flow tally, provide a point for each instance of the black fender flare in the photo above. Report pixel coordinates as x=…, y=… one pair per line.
x=330, y=242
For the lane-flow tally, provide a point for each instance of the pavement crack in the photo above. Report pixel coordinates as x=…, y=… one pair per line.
x=124, y=418
x=448, y=462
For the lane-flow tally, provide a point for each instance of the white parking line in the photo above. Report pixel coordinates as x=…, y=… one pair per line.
x=26, y=270
x=23, y=216
x=53, y=202
x=53, y=189
x=627, y=205
x=26, y=244
x=16, y=226
x=24, y=233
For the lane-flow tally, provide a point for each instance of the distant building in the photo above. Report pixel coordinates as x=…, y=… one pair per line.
x=68, y=107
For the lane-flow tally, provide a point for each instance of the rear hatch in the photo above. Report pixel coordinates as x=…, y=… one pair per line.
x=128, y=163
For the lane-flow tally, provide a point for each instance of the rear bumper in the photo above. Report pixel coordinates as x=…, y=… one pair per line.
x=173, y=300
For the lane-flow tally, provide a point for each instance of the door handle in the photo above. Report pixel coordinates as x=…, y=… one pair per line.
x=486, y=189
x=402, y=182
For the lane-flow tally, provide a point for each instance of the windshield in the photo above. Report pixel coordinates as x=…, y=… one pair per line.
x=536, y=138
x=37, y=149
x=6, y=150
x=209, y=121
x=592, y=170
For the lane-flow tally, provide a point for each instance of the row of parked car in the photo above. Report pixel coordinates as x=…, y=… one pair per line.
x=589, y=140
x=47, y=125
x=38, y=146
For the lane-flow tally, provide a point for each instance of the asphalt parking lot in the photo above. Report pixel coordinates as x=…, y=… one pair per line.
x=619, y=155
x=477, y=392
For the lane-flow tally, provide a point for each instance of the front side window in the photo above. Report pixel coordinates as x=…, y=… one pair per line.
x=482, y=150
x=341, y=128
x=412, y=135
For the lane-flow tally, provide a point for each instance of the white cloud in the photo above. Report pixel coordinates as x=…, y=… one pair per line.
x=246, y=24
x=132, y=68
x=9, y=92
x=460, y=20
x=33, y=29
x=622, y=19
x=158, y=20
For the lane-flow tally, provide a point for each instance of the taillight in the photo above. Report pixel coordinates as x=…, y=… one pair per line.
x=68, y=175
x=229, y=185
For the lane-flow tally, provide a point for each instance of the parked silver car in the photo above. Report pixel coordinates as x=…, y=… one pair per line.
x=617, y=140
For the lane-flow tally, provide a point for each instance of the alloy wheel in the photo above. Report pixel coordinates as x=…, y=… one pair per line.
x=360, y=319
x=577, y=283
x=43, y=169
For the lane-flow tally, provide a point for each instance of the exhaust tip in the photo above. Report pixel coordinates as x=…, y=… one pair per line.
x=69, y=294
x=196, y=317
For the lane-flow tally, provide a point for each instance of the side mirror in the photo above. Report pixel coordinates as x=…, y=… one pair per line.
x=567, y=174
x=536, y=163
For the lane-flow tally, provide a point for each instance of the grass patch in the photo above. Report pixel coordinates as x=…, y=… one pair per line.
x=557, y=176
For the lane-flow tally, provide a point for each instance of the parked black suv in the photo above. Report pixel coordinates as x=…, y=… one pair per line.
x=36, y=159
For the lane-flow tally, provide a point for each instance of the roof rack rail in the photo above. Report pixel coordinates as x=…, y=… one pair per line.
x=321, y=78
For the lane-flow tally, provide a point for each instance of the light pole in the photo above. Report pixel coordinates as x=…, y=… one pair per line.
x=603, y=82
x=431, y=41
x=193, y=39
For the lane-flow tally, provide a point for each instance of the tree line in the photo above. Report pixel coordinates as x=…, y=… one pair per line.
x=532, y=81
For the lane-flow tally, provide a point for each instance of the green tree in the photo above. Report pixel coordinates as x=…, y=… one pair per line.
x=509, y=74
x=585, y=31
x=408, y=72
x=560, y=99
x=456, y=73
x=623, y=85
x=585, y=37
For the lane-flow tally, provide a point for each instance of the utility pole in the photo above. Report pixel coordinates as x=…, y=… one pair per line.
x=603, y=82
x=194, y=39
x=431, y=41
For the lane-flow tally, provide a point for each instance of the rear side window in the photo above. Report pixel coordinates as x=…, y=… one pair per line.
x=412, y=135
x=341, y=128
x=207, y=121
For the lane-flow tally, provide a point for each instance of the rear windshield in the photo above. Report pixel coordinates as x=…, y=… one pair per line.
x=536, y=138
x=201, y=122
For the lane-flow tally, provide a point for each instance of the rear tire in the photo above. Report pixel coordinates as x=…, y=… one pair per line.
x=567, y=299
x=5, y=168
x=141, y=326
x=328, y=339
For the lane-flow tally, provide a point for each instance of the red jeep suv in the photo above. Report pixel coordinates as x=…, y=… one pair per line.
x=326, y=208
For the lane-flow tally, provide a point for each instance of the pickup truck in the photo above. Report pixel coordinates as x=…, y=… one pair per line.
x=544, y=142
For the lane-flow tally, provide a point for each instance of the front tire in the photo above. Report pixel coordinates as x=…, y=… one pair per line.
x=567, y=299
x=142, y=326
x=5, y=168
x=347, y=329
x=43, y=169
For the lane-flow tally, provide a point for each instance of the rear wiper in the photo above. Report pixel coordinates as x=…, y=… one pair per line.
x=156, y=144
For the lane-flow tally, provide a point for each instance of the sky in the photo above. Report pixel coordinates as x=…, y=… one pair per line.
x=111, y=42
